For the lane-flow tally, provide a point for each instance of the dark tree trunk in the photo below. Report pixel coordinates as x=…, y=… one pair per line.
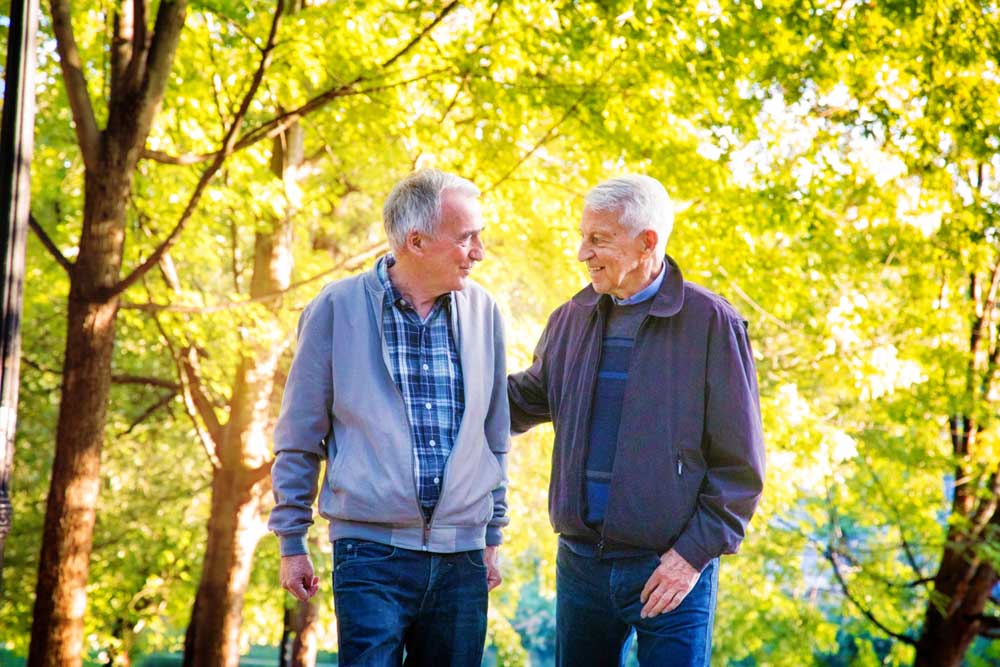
x=64, y=564
x=965, y=584
x=109, y=156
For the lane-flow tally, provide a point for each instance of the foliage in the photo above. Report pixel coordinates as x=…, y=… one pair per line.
x=835, y=173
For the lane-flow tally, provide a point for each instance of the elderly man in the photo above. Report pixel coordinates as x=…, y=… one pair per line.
x=399, y=385
x=659, y=458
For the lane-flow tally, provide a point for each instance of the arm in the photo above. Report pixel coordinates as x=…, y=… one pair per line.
x=733, y=446
x=300, y=433
x=734, y=451
x=497, y=429
x=527, y=391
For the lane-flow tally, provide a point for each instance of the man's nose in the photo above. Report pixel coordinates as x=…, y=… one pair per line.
x=584, y=253
x=478, y=250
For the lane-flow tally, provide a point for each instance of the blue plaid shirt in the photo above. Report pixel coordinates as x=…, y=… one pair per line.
x=427, y=369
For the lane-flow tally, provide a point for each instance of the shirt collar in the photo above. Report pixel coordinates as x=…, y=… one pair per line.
x=395, y=297
x=646, y=293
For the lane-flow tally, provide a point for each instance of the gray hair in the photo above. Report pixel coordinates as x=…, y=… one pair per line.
x=415, y=203
x=641, y=203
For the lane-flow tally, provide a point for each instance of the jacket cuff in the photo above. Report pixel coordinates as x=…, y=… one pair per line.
x=696, y=557
x=292, y=545
x=494, y=536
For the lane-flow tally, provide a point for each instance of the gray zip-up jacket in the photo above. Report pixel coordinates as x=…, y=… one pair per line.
x=342, y=406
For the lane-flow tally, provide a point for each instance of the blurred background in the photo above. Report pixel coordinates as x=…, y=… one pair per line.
x=203, y=167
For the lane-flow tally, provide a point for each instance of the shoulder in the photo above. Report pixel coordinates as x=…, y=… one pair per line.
x=337, y=291
x=702, y=302
x=334, y=296
x=478, y=298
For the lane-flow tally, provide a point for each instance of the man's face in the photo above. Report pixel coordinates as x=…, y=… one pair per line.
x=612, y=255
x=448, y=257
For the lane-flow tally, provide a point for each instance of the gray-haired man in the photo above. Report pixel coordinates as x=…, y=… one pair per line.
x=659, y=456
x=399, y=385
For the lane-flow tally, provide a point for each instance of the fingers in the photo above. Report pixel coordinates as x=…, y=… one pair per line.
x=493, y=577
x=296, y=588
x=491, y=558
x=651, y=584
x=661, y=601
x=302, y=587
x=298, y=578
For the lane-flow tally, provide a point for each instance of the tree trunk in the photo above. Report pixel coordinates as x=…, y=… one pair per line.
x=64, y=563
x=306, y=643
x=109, y=158
x=241, y=481
x=965, y=584
x=234, y=528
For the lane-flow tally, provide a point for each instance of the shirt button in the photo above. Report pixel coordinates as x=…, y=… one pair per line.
x=437, y=480
x=427, y=405
x=426, y=367
x=431, y=443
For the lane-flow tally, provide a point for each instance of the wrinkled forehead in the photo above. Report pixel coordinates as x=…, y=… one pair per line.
x=601, y=222
x=460, y=211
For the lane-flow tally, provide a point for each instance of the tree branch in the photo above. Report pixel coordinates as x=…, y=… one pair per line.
x=140, y=45
x=84, y=122
x=541, y=142
x=164, y=400
x=275, y=126
x=207, y=442
x=49, y=245
x=158, y=62
x=199, y=399
x=983, y=321
x=447, y=9
x=348, y=264
x=907, y=549
x=227, y=149
x=280, y=123
x=830, y=555
x=145, y=380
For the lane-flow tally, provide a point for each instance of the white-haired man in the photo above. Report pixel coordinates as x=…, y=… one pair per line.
x=658, y=460
x=399, y=385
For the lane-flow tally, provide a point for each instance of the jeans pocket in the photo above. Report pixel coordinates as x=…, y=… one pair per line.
x=475, y=559
x=360, y=552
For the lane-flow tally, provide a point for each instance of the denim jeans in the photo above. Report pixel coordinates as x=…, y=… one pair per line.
x=389, y=599
x=597, y=612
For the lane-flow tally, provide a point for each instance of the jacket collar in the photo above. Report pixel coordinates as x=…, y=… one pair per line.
x=667, y=302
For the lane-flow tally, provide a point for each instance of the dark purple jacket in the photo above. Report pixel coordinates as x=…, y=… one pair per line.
x=689, y=464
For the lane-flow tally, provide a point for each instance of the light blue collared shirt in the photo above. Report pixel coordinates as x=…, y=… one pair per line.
x=646, y=293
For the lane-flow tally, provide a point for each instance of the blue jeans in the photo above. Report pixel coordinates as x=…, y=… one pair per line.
x=387, y=599
x=597, y=611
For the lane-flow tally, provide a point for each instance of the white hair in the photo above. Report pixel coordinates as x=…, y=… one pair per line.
x=641, y=203
x=415, y=203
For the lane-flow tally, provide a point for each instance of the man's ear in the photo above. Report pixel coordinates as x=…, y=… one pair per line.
x=414, y=241
x=649, y=240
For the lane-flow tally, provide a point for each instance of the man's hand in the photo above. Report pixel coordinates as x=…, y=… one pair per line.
x=669, y=584
x=297, y=576
x=491, y=558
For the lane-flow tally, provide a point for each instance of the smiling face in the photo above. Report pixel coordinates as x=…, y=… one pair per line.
x=620, y=264
x=447, y=258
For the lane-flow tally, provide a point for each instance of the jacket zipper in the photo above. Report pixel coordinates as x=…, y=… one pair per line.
x=599, y=316
x=425, y=533
x=600, y=544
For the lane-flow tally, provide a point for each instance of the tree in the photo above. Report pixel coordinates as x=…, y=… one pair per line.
x=140, y=64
